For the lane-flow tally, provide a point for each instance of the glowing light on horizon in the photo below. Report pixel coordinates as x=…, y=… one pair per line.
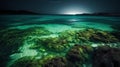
x=73, y=10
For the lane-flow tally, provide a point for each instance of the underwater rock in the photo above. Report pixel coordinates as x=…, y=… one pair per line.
x=69, y=35
x=27, y=61
x=53, y=44
x=94, y=35
x=12, y=39
x=101, y=36
x=79, y=53
x=83, y=36
x=56, y=62
x=46, y=58
x=106, y=57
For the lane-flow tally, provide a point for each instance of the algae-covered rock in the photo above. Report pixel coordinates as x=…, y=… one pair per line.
x=56, y=62
x=79, y=54
x=95, y=35
x=101, y=36
x=46, y=58
x=106, y=57
x=27, y=61
x=53, y=44
x=83, y=36
x=12, y=39
x=58, y=43
x=69, y=35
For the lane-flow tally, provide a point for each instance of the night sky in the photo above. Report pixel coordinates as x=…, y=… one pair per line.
x=62, y=6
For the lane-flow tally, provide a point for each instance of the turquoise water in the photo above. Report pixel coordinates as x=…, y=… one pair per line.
x=45, y=37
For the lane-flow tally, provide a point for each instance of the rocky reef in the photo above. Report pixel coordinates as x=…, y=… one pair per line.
x=27, y=61
x=76, y=56
x=103, y=37
x=52, y=44
x=79, y=55
x=64, y=49
x=106, y=56
x=56, y=62
x=12, y=39
x=59, y=43
x=95, y=35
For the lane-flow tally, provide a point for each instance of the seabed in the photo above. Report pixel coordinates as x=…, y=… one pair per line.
x=59, y=41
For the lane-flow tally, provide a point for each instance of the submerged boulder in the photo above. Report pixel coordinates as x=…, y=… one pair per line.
x=79, y=54
x=95, y=35
x=83, y=36
x=56, y=62
x=52, y=44
x=106, y=57
x=13, y=38
x=101, y=36
x=69, y=35
x=27, y=61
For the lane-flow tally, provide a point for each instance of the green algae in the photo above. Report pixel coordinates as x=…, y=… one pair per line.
x=53, y=44
x=50, y=47
x=26, y=44
x=12, y=39
x=27, y=61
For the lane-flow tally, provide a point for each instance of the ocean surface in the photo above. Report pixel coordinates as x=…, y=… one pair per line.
x=57, y=41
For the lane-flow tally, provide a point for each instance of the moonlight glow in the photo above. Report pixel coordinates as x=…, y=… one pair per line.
x=73, y=10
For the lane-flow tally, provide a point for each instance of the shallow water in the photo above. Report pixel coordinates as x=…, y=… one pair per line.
x=31, y=28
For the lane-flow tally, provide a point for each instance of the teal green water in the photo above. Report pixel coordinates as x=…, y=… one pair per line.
x=46, y=36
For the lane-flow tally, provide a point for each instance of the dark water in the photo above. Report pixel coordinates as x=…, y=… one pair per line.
x=59, y=41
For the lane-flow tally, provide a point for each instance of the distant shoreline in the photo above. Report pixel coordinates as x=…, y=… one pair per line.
x=23, y=12
x=17, y=12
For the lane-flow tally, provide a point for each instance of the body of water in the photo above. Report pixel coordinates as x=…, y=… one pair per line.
x=59, y=41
